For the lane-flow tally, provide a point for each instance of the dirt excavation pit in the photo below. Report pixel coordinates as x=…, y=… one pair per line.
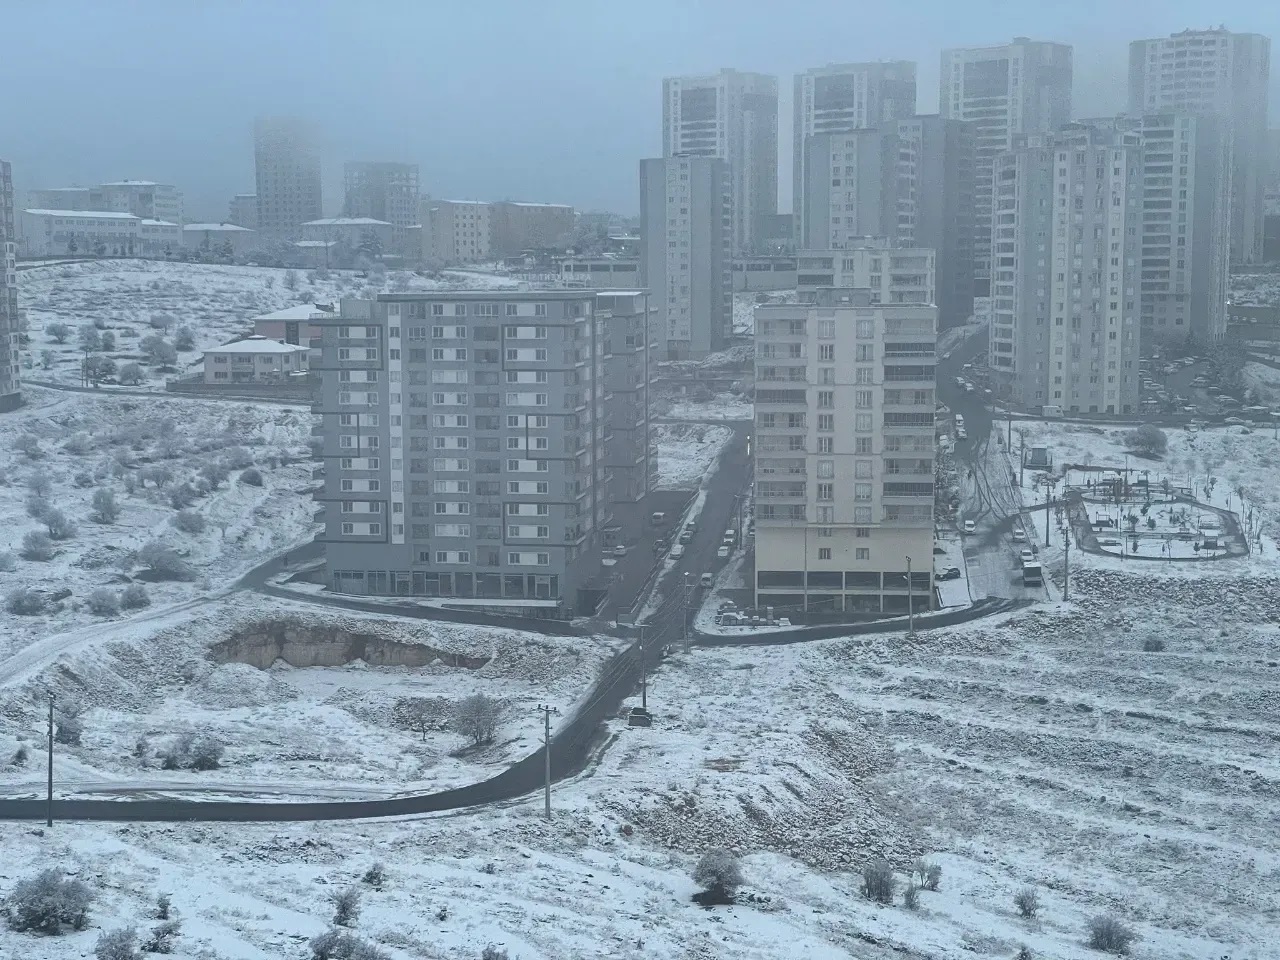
x=318, y=645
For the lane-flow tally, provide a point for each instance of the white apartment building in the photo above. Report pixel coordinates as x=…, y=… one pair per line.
x=1067, y=261
x=352, y=231
x=51, y=232
x=457, y=231
x=838, y=98
x=686, y=219
x=218, y=237
x=10, y=368
x=892, y=274
x=287, y=172
x=733, y=116
x=1007, y=91
x=844, y=448
x=142, y=198
x=243, y=211
x=1214, y=72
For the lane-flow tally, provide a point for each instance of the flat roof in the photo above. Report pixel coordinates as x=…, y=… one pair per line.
x=227, y=227
x=158, y=223
x=556, y=206
x=132, y=183
x=495, y=294
x=96, y=214
x=299, y=311
x=316, y=243
x=347, y=222
x=258, y=344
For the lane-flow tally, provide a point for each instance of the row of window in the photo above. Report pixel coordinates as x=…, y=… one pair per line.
x=419, y=311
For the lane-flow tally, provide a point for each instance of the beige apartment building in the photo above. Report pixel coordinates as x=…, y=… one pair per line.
x=844, y=454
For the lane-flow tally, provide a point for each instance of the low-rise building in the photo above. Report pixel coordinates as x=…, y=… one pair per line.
x=59, y=198
x=764, y=273
x=219, y=237
x=57, y=232
x=457, y=231
x=292, y=324
x=366, y=234
x=601, y=273
x=255, y=359
x=158, y=238
x=142, y=198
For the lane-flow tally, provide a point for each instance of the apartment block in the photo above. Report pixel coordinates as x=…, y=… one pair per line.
x=844, y=448
x=10, y=367
x=243, y=211
x=464, y=439
x=383, y=191
x=732, y=116
x=144, y=199
x=602, y=273
x=852, y=188
x=59, y=198
x=1214, y=73
x=519, y=226
x=1007, y=91
x=457, y=231
x=892, y=274
x=53, y=232
x=287, y=169
x=630, y=364
x=686, y=219
x=1068, y=250
x=838, y=98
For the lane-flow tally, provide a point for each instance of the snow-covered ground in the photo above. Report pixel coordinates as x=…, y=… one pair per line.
x=1264, y=378
x=723, y=406
x=1047, y=750
x=686, y=452
x=144, y=452
x=1255, y=288
x=134, y=299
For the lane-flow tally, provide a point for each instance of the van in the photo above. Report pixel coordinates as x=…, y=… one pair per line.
x=1052, y=410
x=706, y=579
x=730, y=535
x=658, y=518
x=677, y=552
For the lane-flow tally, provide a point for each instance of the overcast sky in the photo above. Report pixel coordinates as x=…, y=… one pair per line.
x=554, y=100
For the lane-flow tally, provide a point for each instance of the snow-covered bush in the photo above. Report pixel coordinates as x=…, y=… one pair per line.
x=252, y=477
x=1109, y=934
x=8, y=563
x=121, y=944
x=105, y=508
x=190, y=521
x=163, y=562
x=103, y=603
x=134, y=597
x=24, y=602
x=58, y=524
x=162, y=937
x=36, y=545
x=719, y=874
x=346, y=907
x=476, y=718
x=877, y=882
x=47, y=903
x=1027, y=903
x=341, y=945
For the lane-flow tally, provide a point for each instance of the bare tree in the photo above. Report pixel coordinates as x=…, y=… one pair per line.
x=476, y=718
x=346, y=907
x=59, y=331
x=105, y=508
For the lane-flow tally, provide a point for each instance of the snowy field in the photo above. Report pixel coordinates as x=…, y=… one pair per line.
x=66, y=451
x=1255, y=288
x=1046, y=751
x=135, y=299
x=722, y=406
x=300, y=716
x=685, y=453
x=1263, y=378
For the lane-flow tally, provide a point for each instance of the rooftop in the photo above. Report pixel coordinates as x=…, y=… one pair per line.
x=133, y=183
x=158, y=223
x=308, y=244
x=228, y=227
x=347, y=222
x=496, y=294
x=555, y=206
x=258, y=344
x=299, y=311
x=95, y=214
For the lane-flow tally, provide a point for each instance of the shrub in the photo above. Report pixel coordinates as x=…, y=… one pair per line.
x=161, y=321
x=8, y=563
x=36, y=545
x=29, y=445
x=47, y=903
x=58, y=524
x=24, y=602
x=163, y=563
x=189, y=521
x=877, y=882
x=39, y=483
x=37, y=506
x=476, y=718
x=494, y=953
x=182, y=496
x=46, y=359
x=105, y=508
x=84, y=479
x=343, y=945
x=1027, y=903
x=134, y=597
x=346, y=907
x=59, y=331
x=252, y=477
x=237, y=458
x=77, y=444
x=20, y=756
x=184, y=339
x=291, y=279
x=214, y=474
x=719, y=874
x=164, y=903
x=1024, y=953
x=108, y=340
x=376, y=875
x=1109, y=934
x=933, y=877
x=103, y=603
x=192, y=753
x=1148, y=439
x=162, y=937
x=119, y=944
x=911, y=896
x=70, y=729
x=89, y=338
x=1153, y=645
x=131, y=373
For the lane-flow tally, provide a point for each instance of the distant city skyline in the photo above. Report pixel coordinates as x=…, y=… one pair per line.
x=580, y=93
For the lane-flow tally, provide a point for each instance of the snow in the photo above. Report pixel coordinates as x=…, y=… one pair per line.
x=1261, y=376
x=685, y=453
x=94, y=214
x=722, y=406
x=257, y=344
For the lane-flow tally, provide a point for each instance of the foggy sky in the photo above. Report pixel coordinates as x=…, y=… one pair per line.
x=552, y=101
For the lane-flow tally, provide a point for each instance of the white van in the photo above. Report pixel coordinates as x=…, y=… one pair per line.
x=677, y=552
x=1052, y=411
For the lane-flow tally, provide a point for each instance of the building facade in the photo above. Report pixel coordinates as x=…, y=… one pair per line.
x=852, y=189
x=891, y=273
x=457, y=231
x=601, y=273
x=1068, y=252
x=1008, y=91
x=59, y=198
x=243, y=211
x=630, y=364
x=373, y=237
x=56, y=232
x=287, y=169
x=464, y=447
x=10, y=368
x=143, y=198
x=383, y=191
x=255, y=359
x=1214, y=72
x=838, y=98
x=519, y=226
x=158, y=238
x=733, y=116
x=215, y=237
x=844, y=447
x=686, y=219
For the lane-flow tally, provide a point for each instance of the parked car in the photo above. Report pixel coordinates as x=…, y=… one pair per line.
x=1027, y=555
x=961, y=434
x=1019, y=535
x=620, y=550
x=706, y=579
x=686, y=535
x=951, y=573
x=968, y=526
x=723, y=551
x=1234, y=421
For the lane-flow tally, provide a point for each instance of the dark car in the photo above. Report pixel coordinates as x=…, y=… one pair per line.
x=951, y=573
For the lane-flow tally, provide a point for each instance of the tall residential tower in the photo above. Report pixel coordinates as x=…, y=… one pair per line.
x=10, y=396
x=287, y=167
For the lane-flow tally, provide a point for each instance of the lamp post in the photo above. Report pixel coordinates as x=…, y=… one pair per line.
x=911, y=603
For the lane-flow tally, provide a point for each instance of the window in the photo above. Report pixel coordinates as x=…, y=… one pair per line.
x=826, y=444
x=862, y=423
x=866, y=352
x=863, y=399
x=827, y=351
x=826, y=469
x=862, y=491
x=862, y=445
x=827, y=422
x=862, y=553
x=824, y=553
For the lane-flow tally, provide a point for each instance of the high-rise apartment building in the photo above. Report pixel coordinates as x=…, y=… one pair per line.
x=464, y=446
x=1214, y=72
x=10, y=394
x=733, y=116
x=1019, y=88
x=383, y=191
x=844, y=446
x=892, y=274
x=519, y=226
x=686, y=220
x=243, y=211
x=838, y=98
x=287, y=166
x=852, y=188
x=457, y=231
x=630, y=364
x=1067, y=267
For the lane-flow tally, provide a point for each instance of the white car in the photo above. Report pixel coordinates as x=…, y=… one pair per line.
x=968, y=526
x=1019, y=535
x=1027, y=555
x=961, y=434
x=723, y=551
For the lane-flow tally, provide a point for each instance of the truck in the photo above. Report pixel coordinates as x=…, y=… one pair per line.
x=1032, y=574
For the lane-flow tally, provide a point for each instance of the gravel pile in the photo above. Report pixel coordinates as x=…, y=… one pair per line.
x=235, y=685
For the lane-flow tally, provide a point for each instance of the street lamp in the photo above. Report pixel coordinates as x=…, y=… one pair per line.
x=911, y=603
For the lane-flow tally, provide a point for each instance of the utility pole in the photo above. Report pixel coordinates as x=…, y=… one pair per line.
x=1022, y=459
x=547, y=710
x=685, y=610
x=644, y=674
x=911, y=603
x=49, y=818
x=1048, y=492
x=1008, y=409
x=1066, y=576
